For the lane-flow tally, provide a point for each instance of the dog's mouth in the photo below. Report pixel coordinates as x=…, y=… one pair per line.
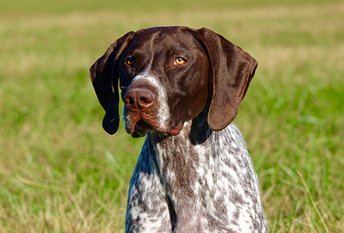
x=138, y=125
x=141, y=128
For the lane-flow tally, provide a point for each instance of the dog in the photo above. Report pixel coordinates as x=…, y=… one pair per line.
x=182, y=88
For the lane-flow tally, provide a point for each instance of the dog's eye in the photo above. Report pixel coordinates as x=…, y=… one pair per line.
x=179, y=61
x=130, y=61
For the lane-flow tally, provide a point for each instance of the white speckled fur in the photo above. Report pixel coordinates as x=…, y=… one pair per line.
x=222, y=195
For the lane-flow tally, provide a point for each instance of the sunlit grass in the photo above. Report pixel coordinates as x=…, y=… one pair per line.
x=60, y=172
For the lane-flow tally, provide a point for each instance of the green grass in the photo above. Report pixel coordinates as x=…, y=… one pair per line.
x=60, y=172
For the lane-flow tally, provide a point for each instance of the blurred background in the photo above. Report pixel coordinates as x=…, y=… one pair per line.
x=60, y=172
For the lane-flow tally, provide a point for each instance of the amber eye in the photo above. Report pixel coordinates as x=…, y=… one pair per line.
x=130, y=61
x=179, y=61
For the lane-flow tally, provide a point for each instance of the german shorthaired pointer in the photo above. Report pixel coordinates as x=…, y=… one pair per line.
x=183, y=87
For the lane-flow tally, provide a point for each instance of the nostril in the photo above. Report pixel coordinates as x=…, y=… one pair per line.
x=129, y=101
x=145, y=100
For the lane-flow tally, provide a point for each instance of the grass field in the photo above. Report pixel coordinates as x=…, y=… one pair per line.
x=60, y=172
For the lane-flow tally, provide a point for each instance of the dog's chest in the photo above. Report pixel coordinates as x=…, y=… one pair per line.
x=210, y=186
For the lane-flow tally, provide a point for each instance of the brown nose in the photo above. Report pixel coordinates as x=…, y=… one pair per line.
x=139, y=97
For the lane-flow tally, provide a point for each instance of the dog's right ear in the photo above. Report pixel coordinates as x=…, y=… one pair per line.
x=104, y=75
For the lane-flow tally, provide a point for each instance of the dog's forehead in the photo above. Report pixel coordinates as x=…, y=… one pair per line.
x=164, y=37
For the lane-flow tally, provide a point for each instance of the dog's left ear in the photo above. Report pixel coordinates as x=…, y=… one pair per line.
x=232, y=70
x=104, y=75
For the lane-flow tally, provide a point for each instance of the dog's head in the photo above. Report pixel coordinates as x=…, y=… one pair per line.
x=165, y=75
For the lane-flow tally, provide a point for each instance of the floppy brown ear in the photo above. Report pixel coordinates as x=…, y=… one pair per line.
x=104, y=75
x=231, y=72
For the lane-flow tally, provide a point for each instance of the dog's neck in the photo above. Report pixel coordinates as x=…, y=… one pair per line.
x=178, y=161
x=188, y=146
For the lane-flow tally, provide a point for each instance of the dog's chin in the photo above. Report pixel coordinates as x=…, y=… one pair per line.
x=141, y=127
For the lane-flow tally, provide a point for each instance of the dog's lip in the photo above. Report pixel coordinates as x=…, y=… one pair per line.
x=140, y=124
x=140, y=129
